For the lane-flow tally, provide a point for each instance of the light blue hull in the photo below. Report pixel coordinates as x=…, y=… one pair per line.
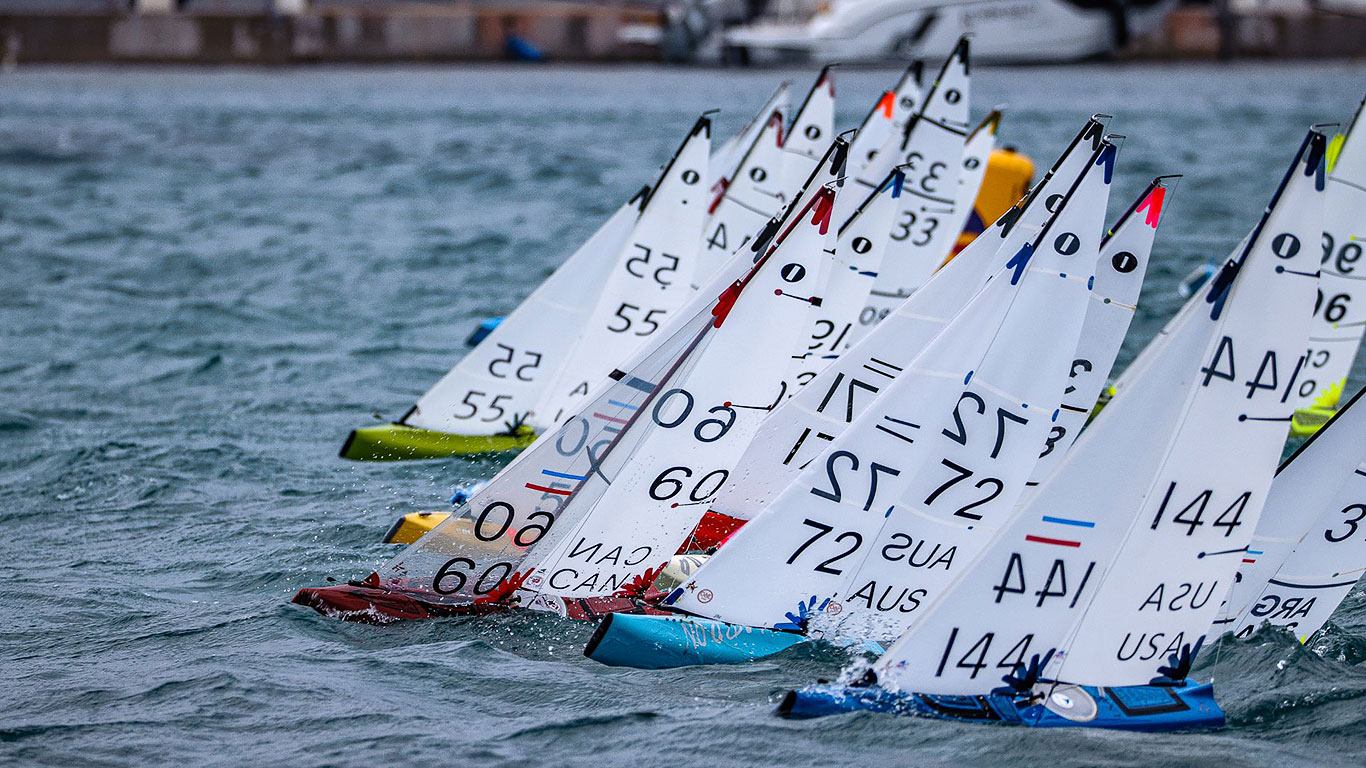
x=665, y=642
x=482, y=331
x=1130, y=708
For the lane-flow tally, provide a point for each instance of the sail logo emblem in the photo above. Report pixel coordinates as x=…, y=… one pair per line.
x=705, y=596
x=834, y=609
x=793, y=272
x=1124, y=262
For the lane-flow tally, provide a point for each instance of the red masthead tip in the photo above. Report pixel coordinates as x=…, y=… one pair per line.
x=886, y=103
x=1152, y=204
x=822, y=206
x=775, y=121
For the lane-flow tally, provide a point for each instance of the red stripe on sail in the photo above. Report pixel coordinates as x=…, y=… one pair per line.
x=547, y=489
x=1054, y=542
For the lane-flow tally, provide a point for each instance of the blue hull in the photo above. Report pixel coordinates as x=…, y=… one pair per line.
x=480, y=333
x=665, y=642
x=1130, y=708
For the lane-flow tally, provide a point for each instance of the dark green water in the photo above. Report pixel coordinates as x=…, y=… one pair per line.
x=207, y=277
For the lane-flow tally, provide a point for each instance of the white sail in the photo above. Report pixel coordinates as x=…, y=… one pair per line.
x=1118, y=562
x=699, y=425
x=813, y=128
x=931, y=148
x=478, y=553
x=726, y=159
x=1161, y=592
x=1322, y=570
x=481, y=553
x=1119, y=279
x=800, y=428
x=828, y=173
x=499, y=382
x=909, y=93
x=1310, y=545
x=976, y=154
x=872, y=132
x=899, y=500
x=1340, y=314
x=1023, y=594
x=1154, y=347
x=887, y=117
x=858, y=252
x=754, y=194
x=651, y=280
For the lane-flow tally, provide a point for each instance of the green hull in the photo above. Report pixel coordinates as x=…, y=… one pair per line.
x=1307, y=421
x=396, y=442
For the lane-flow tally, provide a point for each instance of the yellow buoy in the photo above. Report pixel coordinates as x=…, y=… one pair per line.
x=1009, y=174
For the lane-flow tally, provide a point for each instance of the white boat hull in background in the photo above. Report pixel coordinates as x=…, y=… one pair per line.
x=1003, y=31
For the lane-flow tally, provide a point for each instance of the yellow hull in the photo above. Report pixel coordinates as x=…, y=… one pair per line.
x=413, y=526
x=397, y=442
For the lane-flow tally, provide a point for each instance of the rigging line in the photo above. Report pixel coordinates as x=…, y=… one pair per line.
x=1345, y=182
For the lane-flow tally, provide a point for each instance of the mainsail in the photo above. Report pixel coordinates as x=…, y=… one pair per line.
x=876, y=524
x=888, y=116
x=726, y=159
x=652, y=279
x=1310, y=546
x=1123, y=261
x=858, y=252
x=499, y=382
x=746, y=201
x=1117, y=562
x=696, y=427
x=931, y=148
x=977, y=150
x=813, y=128
x=1340, y=313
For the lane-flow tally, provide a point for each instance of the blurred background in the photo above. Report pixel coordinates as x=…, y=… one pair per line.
x=729, y=32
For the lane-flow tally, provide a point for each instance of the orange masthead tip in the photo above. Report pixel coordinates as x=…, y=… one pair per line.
x=886, y=103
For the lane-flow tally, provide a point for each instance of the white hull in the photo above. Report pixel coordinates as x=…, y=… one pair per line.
x=1013, y=31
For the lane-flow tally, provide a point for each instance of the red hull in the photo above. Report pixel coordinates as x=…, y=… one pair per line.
x=384, y=605
x=711, y=532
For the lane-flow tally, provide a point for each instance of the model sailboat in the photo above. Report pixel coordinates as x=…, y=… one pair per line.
x=1310, y=546
x=801, y=428
x=1092, y=603
x=518, y=378
x=583, y=520
x=899, y=503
